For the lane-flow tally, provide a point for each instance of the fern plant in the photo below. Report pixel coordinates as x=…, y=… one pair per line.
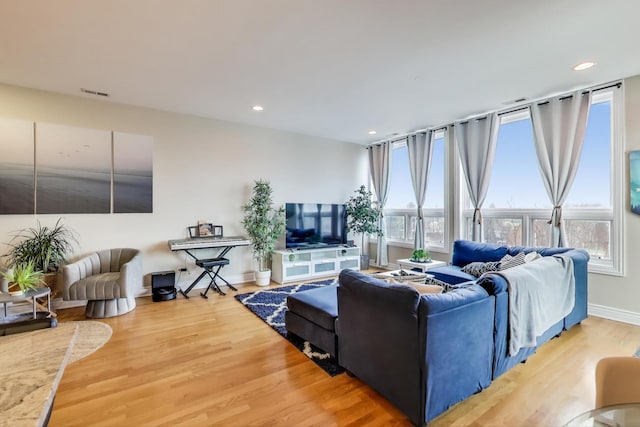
x=45, y=247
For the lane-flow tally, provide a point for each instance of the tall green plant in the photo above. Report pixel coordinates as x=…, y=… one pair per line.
x=45, y=247
x=263, y=223
x=363, y=214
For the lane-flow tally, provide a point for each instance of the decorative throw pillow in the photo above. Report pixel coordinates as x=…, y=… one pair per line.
x=532, y=256
x=477, y=269
x=446, y=287
x=509, y=261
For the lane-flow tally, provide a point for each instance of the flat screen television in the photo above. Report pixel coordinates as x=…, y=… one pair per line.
x=315, y=225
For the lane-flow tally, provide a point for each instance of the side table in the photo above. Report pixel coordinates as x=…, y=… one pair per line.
x=419, y=266
x=34, y=319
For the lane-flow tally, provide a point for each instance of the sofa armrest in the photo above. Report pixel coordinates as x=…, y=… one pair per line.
x=436, y=303
x=493, y=283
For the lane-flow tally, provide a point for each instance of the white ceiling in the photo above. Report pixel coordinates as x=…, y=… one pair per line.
x=331, y=68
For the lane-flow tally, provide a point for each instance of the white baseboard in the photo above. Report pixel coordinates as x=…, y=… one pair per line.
x=616, y=314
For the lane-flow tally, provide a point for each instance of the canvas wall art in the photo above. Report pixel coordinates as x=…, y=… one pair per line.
x=132, y=173
x=634, y=181
x=16, y=167
x=73, y=170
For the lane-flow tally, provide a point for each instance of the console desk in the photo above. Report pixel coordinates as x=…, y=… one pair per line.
x=224, y=244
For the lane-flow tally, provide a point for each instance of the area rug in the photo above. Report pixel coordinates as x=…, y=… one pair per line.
x=90, y=337
x=271, y=304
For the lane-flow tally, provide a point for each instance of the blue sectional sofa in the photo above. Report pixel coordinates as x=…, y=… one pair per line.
x=424, y=353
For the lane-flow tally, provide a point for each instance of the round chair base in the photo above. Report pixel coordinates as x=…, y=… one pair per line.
x=99, y=309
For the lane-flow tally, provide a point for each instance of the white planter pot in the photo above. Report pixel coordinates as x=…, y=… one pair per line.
x=263, y=278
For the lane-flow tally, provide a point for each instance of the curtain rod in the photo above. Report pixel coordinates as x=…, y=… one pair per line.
x=499, y=112
x=408, y=134
x=545, y=100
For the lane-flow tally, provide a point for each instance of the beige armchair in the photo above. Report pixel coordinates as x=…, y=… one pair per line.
x=617, y=381
x=106, y=279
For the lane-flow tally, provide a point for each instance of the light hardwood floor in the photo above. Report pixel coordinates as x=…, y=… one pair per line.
x=200, y=362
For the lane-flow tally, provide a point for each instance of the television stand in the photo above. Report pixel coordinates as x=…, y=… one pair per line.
x=301, y=264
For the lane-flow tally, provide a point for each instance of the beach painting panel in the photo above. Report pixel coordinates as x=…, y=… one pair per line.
x=16, y=167
x=73, y=170
x=634, y=181
x=132, y=173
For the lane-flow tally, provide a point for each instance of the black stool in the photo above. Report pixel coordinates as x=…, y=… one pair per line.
x=212, y=268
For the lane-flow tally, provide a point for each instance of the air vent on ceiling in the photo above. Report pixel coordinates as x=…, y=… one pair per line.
x=515, y=101
x=94, y=92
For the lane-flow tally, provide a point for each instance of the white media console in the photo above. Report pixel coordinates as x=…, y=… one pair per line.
x=293, y=265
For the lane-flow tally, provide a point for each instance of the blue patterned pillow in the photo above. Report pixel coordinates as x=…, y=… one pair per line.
x=477, y=269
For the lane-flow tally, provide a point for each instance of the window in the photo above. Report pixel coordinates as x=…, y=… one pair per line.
x=517, y=208
x=400, y=210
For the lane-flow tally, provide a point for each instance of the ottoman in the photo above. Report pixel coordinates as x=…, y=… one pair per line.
x=312, y=316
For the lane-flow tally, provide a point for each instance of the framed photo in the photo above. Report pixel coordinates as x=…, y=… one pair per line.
x=205, y=229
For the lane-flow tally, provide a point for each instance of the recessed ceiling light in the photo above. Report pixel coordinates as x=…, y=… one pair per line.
x=257, y=108
x=584, y=66
x=372, y=132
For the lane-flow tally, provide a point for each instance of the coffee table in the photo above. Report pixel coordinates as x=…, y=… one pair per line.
x=402, y=275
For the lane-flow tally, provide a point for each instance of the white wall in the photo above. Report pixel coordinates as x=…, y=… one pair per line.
x=203, y=169
x=619, y=297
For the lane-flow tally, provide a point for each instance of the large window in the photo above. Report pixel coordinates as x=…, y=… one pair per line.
x=401, y=208
x=517, y=206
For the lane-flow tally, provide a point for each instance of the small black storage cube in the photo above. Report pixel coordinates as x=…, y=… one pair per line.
x=163, y=286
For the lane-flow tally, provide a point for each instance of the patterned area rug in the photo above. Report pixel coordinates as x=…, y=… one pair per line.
x=270, y=306
x=91, y=335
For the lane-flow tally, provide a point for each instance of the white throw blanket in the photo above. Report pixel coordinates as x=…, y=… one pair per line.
x=541, y=293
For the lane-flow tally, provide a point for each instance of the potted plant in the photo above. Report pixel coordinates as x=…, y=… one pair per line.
x=420, y=255
x=23, y=277
x=362, y=217
x=263, y=224
x=45, y=247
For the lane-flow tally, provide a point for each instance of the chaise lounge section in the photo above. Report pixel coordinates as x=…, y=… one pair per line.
x=466, y=252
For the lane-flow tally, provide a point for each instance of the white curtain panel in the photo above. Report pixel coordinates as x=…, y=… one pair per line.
x=558, y=128
x=476, y=140
x=420, y=148
x=380, y=167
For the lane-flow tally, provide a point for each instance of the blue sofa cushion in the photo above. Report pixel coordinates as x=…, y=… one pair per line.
x=451, y=274
x=466, y=251
x=514, y=250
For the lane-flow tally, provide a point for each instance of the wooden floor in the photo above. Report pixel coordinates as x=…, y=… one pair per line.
x=200, y=362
